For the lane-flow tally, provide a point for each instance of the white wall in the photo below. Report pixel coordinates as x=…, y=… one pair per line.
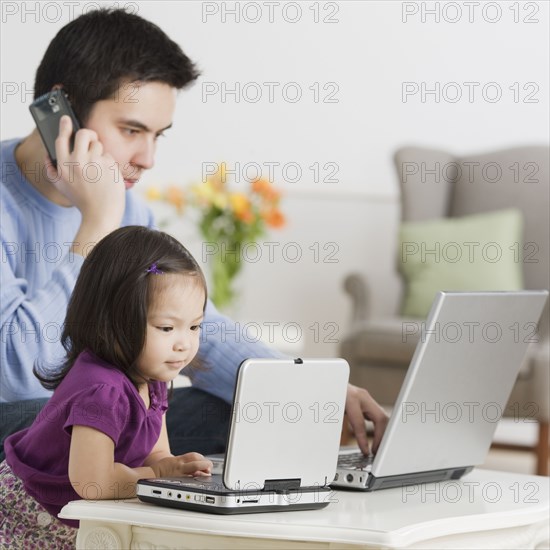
x=366, y=54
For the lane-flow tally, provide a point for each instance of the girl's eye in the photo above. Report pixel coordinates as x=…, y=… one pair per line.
x=165, y=329
x=130, y=131
x=196, y=327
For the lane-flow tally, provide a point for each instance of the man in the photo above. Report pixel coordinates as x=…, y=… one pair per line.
x=121, y=74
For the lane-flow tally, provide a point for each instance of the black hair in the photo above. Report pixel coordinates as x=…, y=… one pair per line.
x=107, y=312
x=95, y=54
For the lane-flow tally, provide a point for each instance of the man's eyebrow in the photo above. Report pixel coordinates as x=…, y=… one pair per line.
x=140, y=125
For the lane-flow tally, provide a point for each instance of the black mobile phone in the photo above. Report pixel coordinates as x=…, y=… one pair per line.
x=46, y=111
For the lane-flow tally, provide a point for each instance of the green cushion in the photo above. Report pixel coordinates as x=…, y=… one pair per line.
x=480, y=252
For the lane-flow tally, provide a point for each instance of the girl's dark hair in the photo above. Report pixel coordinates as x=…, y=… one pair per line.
x=94, y=55
x=107, y=312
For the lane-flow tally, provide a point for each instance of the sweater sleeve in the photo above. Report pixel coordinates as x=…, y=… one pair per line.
x=33, y=311
x=31, y=324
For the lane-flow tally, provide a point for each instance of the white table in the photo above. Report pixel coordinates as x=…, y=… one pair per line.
x=486, y=509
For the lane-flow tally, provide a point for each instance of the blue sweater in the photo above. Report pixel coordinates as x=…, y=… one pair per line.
x=38, y=273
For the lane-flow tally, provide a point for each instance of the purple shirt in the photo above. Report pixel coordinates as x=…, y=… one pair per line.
x=93, y=394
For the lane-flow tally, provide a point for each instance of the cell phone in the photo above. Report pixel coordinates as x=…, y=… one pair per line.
x=46, y=111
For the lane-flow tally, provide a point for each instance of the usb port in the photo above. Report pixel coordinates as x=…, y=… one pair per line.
x=210, y=500
x=250, y=501
x=157, y=492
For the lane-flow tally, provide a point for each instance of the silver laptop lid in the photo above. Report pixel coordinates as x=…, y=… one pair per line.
x=286, y=423
x=459, y=380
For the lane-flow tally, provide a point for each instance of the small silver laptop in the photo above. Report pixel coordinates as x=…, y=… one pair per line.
x=282, y=446
x=456, y=388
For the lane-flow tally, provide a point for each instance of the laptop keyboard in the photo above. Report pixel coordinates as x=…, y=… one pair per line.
x=355, y=461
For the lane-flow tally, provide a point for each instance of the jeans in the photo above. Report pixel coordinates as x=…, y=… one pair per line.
x=196, y=421
x=17, y=416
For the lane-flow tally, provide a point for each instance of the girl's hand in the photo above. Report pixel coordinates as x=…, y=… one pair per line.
x=189, y=464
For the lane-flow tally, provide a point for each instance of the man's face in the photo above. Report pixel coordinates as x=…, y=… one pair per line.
x=129, y=124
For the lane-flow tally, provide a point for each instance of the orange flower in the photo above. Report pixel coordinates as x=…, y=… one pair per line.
x=274, y=218
x=265, y=190
x=261, y=186
x=246, y=216
x=272, y=196
x=176, y=197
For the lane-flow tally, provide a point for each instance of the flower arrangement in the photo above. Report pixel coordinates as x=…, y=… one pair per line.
x=228, y=221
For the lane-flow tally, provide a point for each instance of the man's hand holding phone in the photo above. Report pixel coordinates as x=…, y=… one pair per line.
x=91, y=180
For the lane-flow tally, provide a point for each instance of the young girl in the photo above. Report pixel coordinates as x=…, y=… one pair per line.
x=133, y=323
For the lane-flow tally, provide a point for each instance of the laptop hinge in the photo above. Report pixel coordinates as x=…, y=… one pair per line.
x=281, y=485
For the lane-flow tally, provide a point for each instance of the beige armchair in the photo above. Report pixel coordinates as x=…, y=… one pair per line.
x=435, y=184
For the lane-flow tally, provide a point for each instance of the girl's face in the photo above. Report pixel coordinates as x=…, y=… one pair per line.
x=173, y=326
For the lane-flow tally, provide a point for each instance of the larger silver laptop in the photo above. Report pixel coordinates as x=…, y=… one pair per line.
x=457, y=386
x=282, y=447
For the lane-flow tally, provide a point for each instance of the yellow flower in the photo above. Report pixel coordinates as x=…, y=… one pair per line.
x=222, y=173
x=220, y=200
x=218, y=179
x=176, y=197
x=239, y=202
x=241, y=206
x=153, y=194
x=209, y=194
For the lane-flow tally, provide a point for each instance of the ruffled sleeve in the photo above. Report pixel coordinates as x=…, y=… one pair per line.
x=158, y=393
x=102, y=407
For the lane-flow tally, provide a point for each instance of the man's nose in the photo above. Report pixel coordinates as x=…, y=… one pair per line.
x=144, y=157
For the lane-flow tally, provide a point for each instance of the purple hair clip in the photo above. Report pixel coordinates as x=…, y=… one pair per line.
x=154, y=269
